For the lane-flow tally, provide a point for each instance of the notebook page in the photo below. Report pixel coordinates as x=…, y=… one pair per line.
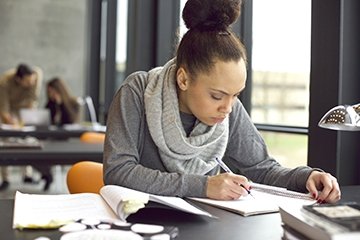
x=48, y=211
x=264, y=199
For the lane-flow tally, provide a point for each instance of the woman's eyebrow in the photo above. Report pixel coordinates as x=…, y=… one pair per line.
x=226, y=93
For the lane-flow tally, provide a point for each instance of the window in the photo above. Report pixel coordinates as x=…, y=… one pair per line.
x=183, y=28
x=280, y=74
x=121, y=41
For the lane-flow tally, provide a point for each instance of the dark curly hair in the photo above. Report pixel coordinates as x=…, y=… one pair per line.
x=210, y=36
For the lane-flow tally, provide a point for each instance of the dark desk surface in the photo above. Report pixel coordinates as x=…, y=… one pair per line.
x=228, y=225
x=52, y=132
x=54, y=152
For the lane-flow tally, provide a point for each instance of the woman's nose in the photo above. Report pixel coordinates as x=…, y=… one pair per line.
x=226, y=108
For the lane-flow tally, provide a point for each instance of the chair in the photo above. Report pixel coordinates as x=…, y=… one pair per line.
x=89, y=106
x=92, y=137
x=85, y=177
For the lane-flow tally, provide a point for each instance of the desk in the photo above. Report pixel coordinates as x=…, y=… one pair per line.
x=228, y=225
x=54, y=152
x=51, y=132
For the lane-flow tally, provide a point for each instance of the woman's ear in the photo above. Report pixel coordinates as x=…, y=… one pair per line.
x=182, y=79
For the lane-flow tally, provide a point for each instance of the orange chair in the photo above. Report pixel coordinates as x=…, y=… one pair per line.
x=85, y=177
x=92, y=137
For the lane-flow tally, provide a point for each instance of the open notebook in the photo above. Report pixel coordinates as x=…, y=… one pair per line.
x=264, y=199
x=113, y=203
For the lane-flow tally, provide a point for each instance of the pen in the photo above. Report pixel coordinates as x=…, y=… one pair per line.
x=228, y=170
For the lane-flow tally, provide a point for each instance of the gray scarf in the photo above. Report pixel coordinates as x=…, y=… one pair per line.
x=194, y=154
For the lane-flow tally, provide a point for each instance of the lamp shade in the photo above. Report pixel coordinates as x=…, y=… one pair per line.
x=342, y=117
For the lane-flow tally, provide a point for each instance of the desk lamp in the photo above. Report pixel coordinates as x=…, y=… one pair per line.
x=342, y=117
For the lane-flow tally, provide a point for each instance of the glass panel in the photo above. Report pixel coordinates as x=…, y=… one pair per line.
x=281, y=61
x=290, y=150
x=121, y=41
x=183, y=28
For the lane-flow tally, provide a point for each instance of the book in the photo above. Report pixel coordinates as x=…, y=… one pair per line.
x=263, y=199
x=112, y=203
x=324, y=222
x=291, y=234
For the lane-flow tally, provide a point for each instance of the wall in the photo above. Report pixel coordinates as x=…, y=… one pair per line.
x=47, y=33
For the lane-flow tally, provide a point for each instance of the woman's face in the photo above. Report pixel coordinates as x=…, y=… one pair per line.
x=210, y=96
x=53, y=94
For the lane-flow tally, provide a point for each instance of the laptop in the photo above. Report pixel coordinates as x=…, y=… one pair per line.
x=35, y=116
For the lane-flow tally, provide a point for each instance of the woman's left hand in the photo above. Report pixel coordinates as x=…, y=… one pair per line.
x=323, y=187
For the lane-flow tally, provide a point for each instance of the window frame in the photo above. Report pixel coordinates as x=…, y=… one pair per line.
x=333, y=27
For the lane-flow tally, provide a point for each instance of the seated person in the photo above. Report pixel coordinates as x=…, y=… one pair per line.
x=166, y=127
x=64, y=109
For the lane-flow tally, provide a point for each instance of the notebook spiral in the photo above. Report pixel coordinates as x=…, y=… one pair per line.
x=280, y=191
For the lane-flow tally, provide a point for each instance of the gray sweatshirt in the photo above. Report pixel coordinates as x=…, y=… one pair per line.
x=131, y=158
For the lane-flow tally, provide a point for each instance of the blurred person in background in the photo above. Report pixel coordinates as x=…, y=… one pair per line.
x=19, y=88
x=64, y=109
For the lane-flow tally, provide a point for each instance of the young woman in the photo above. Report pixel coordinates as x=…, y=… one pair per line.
x=167, y=126
x=64, y=108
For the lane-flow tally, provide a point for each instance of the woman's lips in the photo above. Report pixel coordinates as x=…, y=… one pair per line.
x=218, y=120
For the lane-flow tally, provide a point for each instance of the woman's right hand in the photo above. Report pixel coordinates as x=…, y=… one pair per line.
x=226, y=186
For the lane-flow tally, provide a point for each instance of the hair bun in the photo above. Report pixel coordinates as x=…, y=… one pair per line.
x=211, y=15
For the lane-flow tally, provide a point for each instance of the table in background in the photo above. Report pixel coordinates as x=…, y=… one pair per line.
x=227, y=226
x=52, y=132
x=53, y=152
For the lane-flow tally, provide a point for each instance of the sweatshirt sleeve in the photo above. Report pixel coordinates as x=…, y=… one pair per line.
x=247, y=155
x=124, y=162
